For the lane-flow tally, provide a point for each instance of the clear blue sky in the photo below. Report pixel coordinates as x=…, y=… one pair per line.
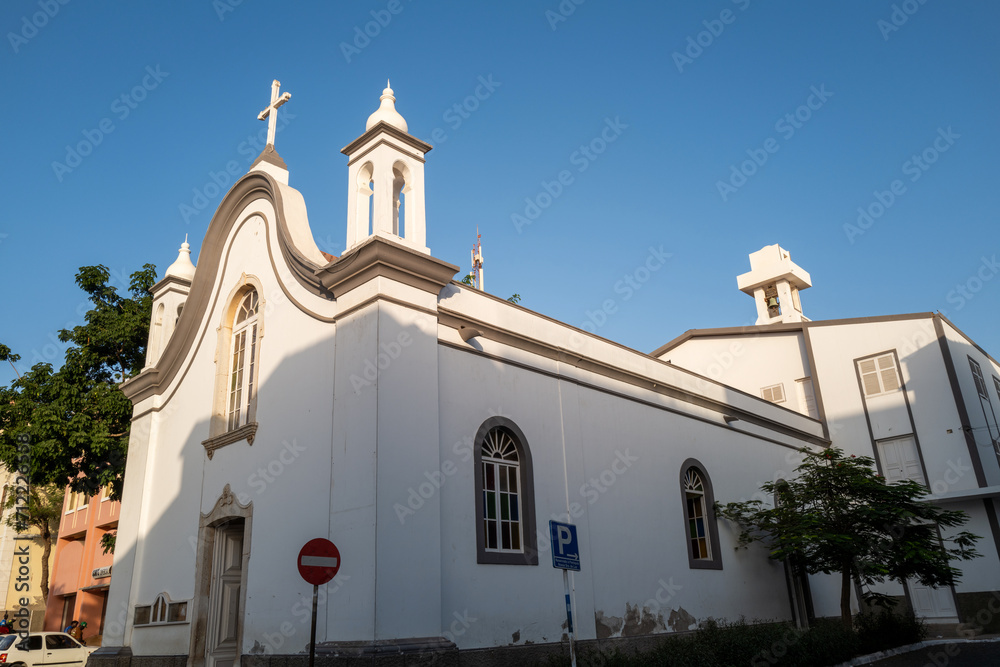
x=887, y=95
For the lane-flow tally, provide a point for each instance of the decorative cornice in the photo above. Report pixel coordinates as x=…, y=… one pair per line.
x=383, y=127
x=780, y=327
x=167, y=281
x=513, y=339
x=227, y=499
x=379, y=256
x=247, y=432
x=255, y=185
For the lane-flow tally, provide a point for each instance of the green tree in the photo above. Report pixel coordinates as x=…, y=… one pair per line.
x=839, y=516
x=42, y=511
x=76, y=419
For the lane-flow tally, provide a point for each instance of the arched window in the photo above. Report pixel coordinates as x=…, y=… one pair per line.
x=701, y=532
x=365, y=203
x=400, y=188
x=237, y=365
x=243, y=362
x=505, y=495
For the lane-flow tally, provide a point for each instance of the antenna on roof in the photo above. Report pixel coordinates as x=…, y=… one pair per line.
x=477, y=262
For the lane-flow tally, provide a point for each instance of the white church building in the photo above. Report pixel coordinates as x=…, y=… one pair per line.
x=431, y=431
x=911, y=391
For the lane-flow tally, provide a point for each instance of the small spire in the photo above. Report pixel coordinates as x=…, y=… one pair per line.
x=183, y=267
x=387, y=111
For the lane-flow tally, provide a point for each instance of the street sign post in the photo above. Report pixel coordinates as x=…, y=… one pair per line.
x=566, y=557
x=318, y=563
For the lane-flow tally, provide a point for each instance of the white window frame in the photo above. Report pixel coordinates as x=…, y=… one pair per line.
x=881, y=444
x=497, y=449
x=977, y=377
x=694, y=502
x=877, y=374
x=243, y=361
x=160, y=612
x=768, y=393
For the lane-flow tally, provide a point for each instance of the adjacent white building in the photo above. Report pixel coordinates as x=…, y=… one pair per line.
x=431, y=431
x=911, y=391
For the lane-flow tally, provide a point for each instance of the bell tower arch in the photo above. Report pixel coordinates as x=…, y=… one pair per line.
x=386, y=180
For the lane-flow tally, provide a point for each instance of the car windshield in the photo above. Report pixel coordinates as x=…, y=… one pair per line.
x=6, y=641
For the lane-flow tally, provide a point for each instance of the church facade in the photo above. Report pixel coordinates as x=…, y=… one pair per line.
x=428, y=429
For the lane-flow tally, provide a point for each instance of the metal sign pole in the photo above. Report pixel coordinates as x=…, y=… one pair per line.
x=569, y=619
x=312, y=632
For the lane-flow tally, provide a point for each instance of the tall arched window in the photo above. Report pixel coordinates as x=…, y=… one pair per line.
x=243, y=361
x=505, y=496
x=701, y=532
x=237, y=365
x=400, y=189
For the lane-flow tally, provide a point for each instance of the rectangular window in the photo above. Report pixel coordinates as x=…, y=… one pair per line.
x=807, y=397
x=696, y=527
x=502, y=520
x=142, y=615
x=977, y=375
x=900, y=460
x=996, y=385
x=879, y=375
x=236, y=380
x=775, y=393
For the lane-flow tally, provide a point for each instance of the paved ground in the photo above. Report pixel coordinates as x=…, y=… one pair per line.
x=962, y=654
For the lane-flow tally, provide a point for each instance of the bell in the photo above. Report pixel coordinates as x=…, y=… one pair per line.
x=772, y=302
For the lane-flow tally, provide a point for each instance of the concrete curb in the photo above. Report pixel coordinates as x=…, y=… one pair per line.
x=888, y=653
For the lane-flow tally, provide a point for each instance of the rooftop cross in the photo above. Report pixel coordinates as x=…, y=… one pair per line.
x=271, y=112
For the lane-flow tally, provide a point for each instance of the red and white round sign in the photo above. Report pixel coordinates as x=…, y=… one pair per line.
x=319, y=561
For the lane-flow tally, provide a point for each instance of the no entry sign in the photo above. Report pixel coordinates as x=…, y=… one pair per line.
x=319, y=561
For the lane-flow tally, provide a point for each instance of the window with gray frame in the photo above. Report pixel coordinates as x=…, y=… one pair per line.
x=505, y=496
x=702, y=534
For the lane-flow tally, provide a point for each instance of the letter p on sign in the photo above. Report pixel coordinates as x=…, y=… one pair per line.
x=565, y=546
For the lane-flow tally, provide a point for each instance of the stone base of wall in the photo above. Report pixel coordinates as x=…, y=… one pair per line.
x=979, y=613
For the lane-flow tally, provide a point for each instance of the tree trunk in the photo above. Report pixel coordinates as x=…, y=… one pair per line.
x=46, y=550
x=845, y=598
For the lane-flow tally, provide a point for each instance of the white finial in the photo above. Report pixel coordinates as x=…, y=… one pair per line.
x=182, y=268
x=387, y=111
x=271, y=112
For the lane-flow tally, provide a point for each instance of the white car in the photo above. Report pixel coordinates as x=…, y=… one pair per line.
x=43, y=648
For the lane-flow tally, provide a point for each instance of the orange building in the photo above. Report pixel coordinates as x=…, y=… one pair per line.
x=78, y=587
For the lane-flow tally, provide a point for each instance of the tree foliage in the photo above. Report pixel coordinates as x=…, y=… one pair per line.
x=42, y=511
x=76, y=418
x=839, y=516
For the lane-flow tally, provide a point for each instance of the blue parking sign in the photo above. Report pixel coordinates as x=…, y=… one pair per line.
x=565, y=547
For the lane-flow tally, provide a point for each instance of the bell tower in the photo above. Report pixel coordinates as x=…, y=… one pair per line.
x=386, y=180
x=774, y=282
